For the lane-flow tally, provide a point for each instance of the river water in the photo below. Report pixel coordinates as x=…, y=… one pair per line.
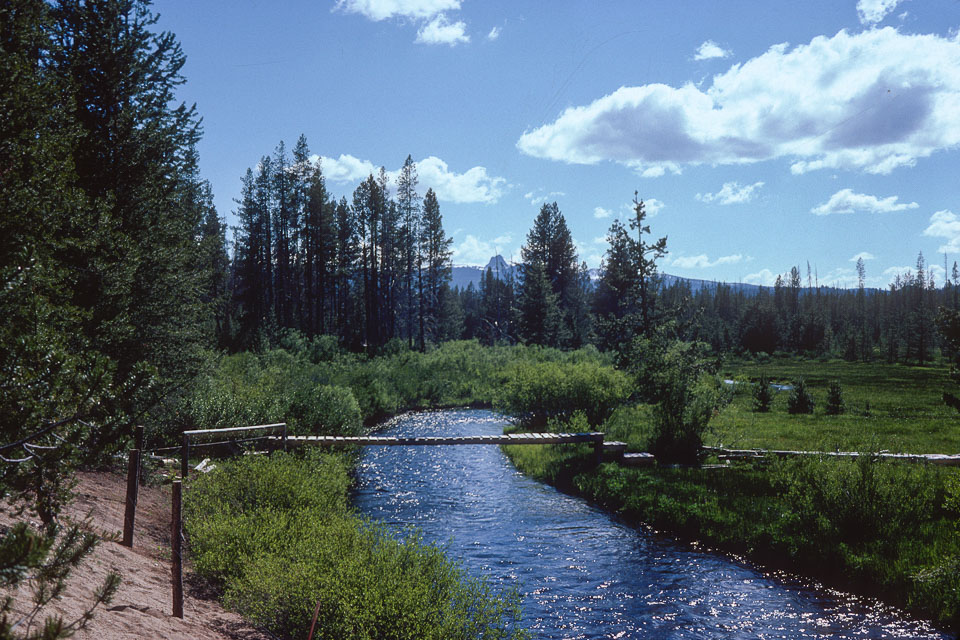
x=583, y=574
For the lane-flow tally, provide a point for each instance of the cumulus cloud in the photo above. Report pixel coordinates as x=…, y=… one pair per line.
x=709, y=50
x=494, y=33
x=600, y=213
x=702, y=261
x=863, y=255
x=873, y=11
x=764, y=277
x=346, y=168
x=846, y=201
x=473, y=185
x=440, y=31
x=473, y=250
x=382, y=9
x=731, y=193
x=945, y=224
x=870, y=101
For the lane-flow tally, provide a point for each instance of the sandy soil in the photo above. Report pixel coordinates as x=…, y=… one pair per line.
x=142, y=608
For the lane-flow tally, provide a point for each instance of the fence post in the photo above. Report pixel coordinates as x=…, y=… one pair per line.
x=176, y=544
x=133, y=485
x=284, y=436
x=138, y=440
x=184, y=457
x=598, y=449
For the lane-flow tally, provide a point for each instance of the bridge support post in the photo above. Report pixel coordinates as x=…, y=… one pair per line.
x=598, y=450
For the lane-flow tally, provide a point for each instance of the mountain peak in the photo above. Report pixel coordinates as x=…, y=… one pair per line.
x=497, y=263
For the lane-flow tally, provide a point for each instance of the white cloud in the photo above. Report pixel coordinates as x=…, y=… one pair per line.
x=870, y=101
x=473, y=250
x=600, y=213
x=731, y=193
x=846, y=201
x=711, y=49
x=702, y=261
x=346, y=168
x=873, y=11
x=764, y=277
x=538, y=197
x=440, y=31
x=473, y=185
x=382, y=9
x=652, y=206
x=863, y=255
x=494, y=33
x=945, y=224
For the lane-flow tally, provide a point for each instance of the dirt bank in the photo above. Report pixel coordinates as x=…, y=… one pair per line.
x=141, y=609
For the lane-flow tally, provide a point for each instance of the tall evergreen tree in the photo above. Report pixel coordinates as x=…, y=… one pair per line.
x=436, y=272
x=136, y=163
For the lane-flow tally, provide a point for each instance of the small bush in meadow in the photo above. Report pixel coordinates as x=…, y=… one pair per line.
x=835, y=404
x=762, y=397
x=800, y=400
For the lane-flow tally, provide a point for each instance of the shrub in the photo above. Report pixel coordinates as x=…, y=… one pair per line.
x=800, y=400
x=324, y=410
x=276, y=532
x=535, y=393
x=762, y=396
x=681, y=419
x=835, y=404
x=858, y=502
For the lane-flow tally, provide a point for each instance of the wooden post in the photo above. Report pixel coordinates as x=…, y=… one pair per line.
x=138, y=437
x=284, y=436
x=185, y=457
x=176, y=544
x=133, y=484
x=598, y=450
x=138, y=441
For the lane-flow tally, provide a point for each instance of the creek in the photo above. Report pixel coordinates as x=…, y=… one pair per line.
x=583, y=573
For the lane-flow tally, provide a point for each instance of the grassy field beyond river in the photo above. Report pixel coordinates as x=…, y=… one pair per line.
x=880, y=528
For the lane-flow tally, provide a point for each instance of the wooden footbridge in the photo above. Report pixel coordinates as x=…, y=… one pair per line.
x=276, y=435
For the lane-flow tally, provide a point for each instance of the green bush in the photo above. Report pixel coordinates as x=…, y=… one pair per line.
x=278, y=535
x=835, y=404
x=800, y=400
x=862, y=502
x=762, y=396
x=536, y=393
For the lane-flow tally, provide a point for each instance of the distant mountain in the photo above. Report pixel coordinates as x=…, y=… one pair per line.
x=463, y=275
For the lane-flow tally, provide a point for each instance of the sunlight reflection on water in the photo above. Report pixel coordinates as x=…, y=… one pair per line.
x=583, y=573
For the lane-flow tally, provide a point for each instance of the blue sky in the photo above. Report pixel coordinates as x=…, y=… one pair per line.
x=761, y=135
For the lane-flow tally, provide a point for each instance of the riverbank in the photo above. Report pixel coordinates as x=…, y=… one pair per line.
x=873, y=528
x=142, y=606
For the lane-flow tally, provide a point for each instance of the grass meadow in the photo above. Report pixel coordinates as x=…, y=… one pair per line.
x=888, y=406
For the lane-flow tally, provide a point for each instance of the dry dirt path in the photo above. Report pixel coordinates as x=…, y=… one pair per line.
x=141, y=610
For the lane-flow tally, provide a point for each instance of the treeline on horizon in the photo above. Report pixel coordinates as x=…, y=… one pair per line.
x=377, y=268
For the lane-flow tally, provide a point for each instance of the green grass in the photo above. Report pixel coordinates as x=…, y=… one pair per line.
x=278, y=535
x=888, y=406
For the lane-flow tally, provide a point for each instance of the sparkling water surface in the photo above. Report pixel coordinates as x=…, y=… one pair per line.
x=583, y=574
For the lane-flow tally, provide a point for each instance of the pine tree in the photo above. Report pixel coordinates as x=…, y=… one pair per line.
x=538, y=316
x=762, y=396
x=136, y=162
x=436, y=272
x=835, y=404
x=645, y=259
x=411, y=253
